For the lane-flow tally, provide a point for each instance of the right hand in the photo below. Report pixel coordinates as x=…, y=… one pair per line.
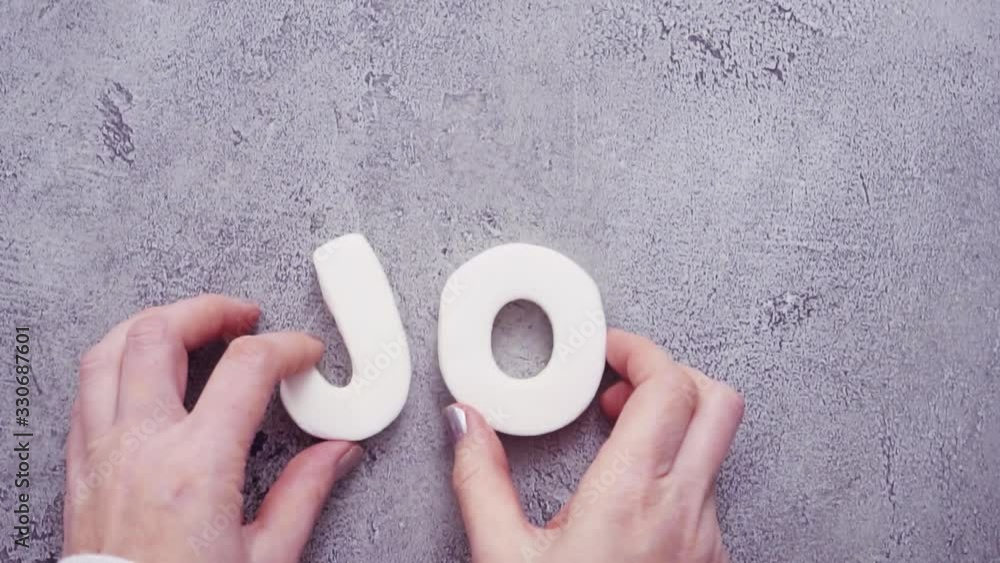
x=649, y=497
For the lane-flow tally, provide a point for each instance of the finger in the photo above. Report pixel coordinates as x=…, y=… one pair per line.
x=561, y=518
x=154, y=364
x=636, y=358
x=655, y=418
x=715, y=550
x=290, y=510
x=76, y=460
x=613, y=399
x=97, y=394
x=76, y=450
x=711, y=432
x=238, y=391
x=196, y=321
x=491, y=507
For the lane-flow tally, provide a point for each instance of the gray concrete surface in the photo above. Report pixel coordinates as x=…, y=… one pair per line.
x=800, y=197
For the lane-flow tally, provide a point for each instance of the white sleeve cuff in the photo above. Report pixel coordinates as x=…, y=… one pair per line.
x=93, y=559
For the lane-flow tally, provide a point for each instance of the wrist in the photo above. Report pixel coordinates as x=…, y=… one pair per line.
x=93, y=559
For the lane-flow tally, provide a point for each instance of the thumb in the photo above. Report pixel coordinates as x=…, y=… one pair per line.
x=491, y=507
x=290, y=510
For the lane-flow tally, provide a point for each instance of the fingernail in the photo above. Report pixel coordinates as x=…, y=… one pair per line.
x=348, y=461
x=457, y=425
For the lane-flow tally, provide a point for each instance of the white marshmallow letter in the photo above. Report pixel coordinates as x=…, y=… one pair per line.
x=357, y=292
x=471, y=299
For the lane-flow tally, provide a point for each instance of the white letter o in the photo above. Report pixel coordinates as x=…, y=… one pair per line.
x=563, y=389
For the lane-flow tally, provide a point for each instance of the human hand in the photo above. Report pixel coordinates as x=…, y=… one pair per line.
x=147, y=481
x=649, y=496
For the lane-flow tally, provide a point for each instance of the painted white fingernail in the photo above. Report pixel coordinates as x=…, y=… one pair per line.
x=457, y=423
x=347, y=462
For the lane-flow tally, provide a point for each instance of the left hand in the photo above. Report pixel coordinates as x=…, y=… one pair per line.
x=149, y=482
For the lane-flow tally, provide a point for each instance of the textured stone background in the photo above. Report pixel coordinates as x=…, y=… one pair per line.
x=801, y=197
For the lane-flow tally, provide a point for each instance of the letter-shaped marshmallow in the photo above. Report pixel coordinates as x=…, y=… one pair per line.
x=358, y=295
x=471, y=299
